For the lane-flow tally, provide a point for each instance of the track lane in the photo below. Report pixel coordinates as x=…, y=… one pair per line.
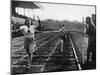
x=50, y=59
x=36, y=48
x=40, y=59
x=19, y=44
x=62, y=61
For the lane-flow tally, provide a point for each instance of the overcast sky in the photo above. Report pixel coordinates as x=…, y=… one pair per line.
x=60, y=11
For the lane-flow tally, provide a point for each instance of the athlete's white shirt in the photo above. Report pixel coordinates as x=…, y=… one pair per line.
x=31, y=29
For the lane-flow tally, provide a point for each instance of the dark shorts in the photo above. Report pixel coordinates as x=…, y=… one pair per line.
x=62, y=37
x=92, y=45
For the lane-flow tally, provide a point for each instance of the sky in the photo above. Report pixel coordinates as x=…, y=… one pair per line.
x=59, y=12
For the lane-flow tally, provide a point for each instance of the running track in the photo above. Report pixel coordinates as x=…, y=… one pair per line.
x=49, y=57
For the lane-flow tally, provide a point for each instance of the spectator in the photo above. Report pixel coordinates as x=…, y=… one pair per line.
x=91, y=32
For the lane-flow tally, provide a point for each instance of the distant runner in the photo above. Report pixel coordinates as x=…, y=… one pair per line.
x=62, y=36
x=29, y=42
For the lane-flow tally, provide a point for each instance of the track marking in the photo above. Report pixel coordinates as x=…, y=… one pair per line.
x=20, y=59
x=17, y=49
x=23, y=46
x=16, y=55
x=20, y=38
x=26, y=66
x=18, y=42
x=36, y=49
x=50, y=55
x=23, y=41
x=79, y=66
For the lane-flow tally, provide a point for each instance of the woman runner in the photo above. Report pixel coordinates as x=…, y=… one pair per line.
x=29, y=42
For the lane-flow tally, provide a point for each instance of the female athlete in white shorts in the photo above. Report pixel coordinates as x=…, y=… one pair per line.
x=29, y=42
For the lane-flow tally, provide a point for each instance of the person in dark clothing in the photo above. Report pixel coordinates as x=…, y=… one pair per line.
x=91, y=32
x=62, y=36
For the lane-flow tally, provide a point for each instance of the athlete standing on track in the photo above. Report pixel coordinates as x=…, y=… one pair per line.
x=62, y=36
x=29, y=42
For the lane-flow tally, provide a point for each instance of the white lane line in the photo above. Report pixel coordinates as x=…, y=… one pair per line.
x=18, y=49
x=41, y=39
x=23, y=46
x=36, y=42
x=20, y=38
x=36, y=49
x=23, y=41
x=17, y=55
x=20, y=59
x=17, y=66
x=52, y=31
x=18, y=42
x=49, y=31
x=79, y=66
x=50, y=55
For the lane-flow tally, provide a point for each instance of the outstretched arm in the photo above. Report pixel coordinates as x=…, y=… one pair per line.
x=39, y=22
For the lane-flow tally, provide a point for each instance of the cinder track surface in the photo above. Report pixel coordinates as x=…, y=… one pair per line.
x=49, y=57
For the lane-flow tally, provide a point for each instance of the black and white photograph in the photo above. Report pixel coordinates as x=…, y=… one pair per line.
x=51, y=37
